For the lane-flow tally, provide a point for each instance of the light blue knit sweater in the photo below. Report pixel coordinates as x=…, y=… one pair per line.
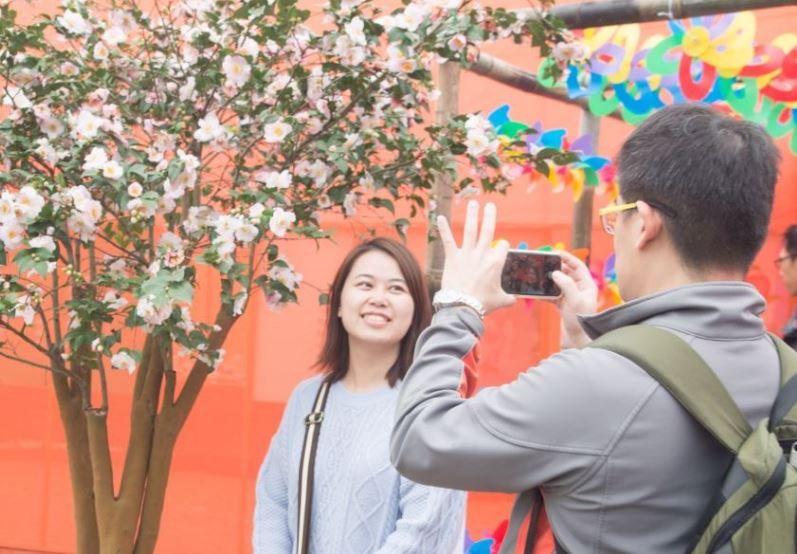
x=361, y=505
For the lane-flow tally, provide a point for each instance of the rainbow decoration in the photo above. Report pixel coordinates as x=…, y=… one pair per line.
x=711, y=59
x=534, y=156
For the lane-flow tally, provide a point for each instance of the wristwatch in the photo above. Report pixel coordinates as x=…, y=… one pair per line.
x=447, y=298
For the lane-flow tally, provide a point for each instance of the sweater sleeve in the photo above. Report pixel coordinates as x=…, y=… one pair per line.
x=271, y=533
x=510, y=438
x=430, y=520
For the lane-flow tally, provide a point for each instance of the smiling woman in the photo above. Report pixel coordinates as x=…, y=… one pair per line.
x=354, y=499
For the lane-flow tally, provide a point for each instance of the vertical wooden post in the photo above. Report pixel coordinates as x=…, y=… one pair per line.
x=582, y=210
x=442, y=190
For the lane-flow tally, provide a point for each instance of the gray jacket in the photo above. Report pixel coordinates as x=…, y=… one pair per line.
x=623, y=468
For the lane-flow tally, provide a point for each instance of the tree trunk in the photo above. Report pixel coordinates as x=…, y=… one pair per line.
x=160, y=462
x=582, y=209
x=70, y=405
x=443, y=190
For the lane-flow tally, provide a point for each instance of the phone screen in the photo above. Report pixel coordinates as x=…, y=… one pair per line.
x=528, y=273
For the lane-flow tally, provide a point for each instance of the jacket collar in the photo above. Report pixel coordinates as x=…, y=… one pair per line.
x=717, y=310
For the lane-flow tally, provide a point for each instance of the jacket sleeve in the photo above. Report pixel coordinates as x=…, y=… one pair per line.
x=271, y=532
x=430, y=520
x=536, y=430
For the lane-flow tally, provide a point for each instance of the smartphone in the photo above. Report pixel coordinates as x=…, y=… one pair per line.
x=528, y=273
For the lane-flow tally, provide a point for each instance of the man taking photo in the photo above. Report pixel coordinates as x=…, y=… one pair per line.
x=621, y=465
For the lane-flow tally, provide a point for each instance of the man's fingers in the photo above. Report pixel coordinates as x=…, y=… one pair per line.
x=577, y=269
x=446, y=236
x=565, y=283
x=471, y=225
x=488, y=227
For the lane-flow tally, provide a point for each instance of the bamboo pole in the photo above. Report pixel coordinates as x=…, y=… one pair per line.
x=582, y=209
x=517, y=77
x=442, y=190
x=619, y=12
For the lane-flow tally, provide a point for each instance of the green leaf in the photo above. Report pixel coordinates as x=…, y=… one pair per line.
x=183, y=292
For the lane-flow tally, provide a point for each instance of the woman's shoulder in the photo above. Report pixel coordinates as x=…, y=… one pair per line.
x=307, y=388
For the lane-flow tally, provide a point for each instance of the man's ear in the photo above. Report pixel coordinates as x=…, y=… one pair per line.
x=651, y=224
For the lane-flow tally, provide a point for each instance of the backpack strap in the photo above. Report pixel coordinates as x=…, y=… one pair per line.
x=681, y=370
x=786, y=402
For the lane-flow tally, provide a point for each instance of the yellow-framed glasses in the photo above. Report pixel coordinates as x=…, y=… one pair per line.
x=609, y=214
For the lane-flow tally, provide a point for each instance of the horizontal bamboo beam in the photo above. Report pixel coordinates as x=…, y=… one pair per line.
x=516, y=77
x=619, y=12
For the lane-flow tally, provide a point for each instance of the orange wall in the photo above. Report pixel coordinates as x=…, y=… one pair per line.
x=210, y=498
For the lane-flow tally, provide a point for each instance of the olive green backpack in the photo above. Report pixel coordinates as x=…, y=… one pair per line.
x=755, y=512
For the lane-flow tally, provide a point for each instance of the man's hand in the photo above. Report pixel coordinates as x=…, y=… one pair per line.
x=475, y=267
x=579, y=297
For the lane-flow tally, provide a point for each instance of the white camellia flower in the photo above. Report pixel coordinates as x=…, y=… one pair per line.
x=227, y=225
x=47, y=152
x=279, y=179
x=135, y=189
x=124, y=20
x=146, y=310
x=246, y=233
x=80, y=196
x=101, y=51
x=44, y=241
x=87, y=125
x=25, y=310
x=411, y=18
x=277, y=131
x=82, y=225
x=319, y=172
x=69, y=69
x=95, y=160
x=74, y=23
x=15, y=98
x=124, y=362
x=458, y=42
x=11, y=234
x=52, y=127
x=236, y=69
x=479, y=143
x=112, y=170
x=114, y=301
x=28, y=204
x=190, y=162
x=248, y=47
x=8, y=212
x=172, y=190
x=255, y=211
x=280, y=221
x=186, y=92
x=209, y=128
x=170, y=240
x=350, y=203
x=114, y=35
x=354, y=30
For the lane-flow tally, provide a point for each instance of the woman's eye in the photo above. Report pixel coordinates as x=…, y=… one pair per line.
x=398, y=288
x=364, y=284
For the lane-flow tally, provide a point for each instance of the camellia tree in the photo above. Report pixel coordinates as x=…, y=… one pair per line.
x=137, y=145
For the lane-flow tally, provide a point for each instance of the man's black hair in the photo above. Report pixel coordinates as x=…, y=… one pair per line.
x=790, y=240
x=716, y=174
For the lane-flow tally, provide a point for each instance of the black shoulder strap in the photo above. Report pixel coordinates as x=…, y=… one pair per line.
x=679, y=369
x=307, y=467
